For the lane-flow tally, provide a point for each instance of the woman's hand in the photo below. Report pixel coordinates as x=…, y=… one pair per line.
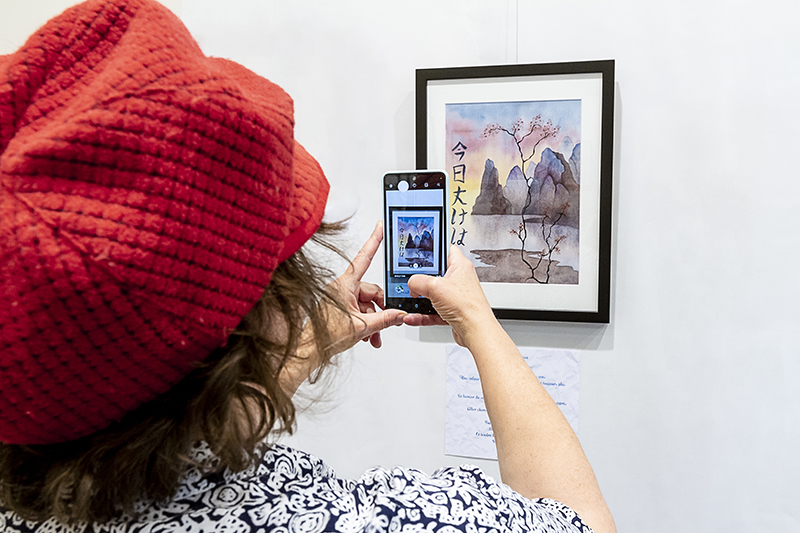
x=457, y=297
x=364, y=301
x=364, y=318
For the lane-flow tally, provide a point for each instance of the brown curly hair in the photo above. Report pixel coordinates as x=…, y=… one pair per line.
x=233, y=401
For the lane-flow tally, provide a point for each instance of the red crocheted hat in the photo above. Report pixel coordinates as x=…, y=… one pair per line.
x=148, y=193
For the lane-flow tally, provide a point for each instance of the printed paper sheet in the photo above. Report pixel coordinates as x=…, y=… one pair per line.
x=468, y=431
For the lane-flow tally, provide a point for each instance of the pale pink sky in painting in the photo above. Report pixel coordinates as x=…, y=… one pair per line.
x=466, y=123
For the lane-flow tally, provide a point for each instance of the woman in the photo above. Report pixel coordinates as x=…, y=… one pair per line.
x=159, y=308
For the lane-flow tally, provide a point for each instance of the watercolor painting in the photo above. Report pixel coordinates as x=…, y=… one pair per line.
x=415, y=249
x=515, y=188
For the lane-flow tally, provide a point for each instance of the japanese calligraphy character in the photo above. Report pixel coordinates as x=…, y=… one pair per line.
x=460, y=241
x=458, y=196
x=455, y=214
x=459, y=171
x=461, y=150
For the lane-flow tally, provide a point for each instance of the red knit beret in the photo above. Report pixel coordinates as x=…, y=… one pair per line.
x=148, y=193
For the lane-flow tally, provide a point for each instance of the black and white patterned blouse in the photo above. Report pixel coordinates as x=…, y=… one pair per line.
x=294, y=492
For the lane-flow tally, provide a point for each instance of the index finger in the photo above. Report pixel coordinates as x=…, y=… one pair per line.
x=369, y=292
x=362, y=260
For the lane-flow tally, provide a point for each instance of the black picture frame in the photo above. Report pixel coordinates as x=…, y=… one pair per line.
x=592, y=83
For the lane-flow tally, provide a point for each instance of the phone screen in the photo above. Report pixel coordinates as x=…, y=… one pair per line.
x=414, y=226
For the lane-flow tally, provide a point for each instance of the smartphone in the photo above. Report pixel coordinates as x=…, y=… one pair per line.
x=414, y=234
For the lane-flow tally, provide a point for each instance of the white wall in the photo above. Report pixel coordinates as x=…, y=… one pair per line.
x=690, y=412
x=20, y=18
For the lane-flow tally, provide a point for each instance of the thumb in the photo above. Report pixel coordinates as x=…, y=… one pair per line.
x=420, y=285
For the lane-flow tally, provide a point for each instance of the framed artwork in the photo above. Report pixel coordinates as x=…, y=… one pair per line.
x=528, y=150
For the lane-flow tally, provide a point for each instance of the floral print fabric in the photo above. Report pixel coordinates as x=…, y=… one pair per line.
x=294, y=492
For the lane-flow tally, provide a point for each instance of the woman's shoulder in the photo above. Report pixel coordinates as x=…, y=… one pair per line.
x=461, y=498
